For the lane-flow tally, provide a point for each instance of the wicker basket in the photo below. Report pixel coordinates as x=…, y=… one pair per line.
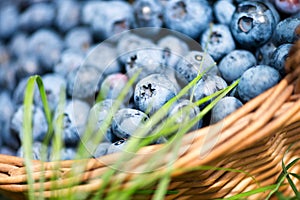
x=254, y=139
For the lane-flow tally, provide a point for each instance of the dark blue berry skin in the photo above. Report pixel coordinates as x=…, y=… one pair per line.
x=288, y=6
x=256, y=80
x=104, y=58
x=187, y=16
x=285, y=31
x=37, y=16
x=70, y=59
x=263, y=54
x=147, y=61
x=129, y=44
x=5, y=56
x=173, y=48
x=99, y=115
x=68, y=153
x=152, y=92
x=28, y=65
x=110, y=18
x=37, y=150
x=217, y=41
x=224, y=107
x=126, y=121
x=8, y=79
x=252, y=24
x=46, y=45
x=68, y=14
x=7, y=110
x=79, y=38
x=223, y=11
x=233, y=65
x=39, y=124
x=185, y=111
x=194, y=63
x=101, y=149
x=118, y=146
x=147, y=13
x=279, y=57
x=74, y=121
x=6, y=150
x=82, y=83
x=18, y=45
x=206, y=86
x=9, y=20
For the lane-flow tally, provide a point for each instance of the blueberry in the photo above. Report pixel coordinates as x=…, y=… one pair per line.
x=252, y=24
x=224, y=107
x=47, y=46
x=126, y=121
x=110, y=18
x=104, y=58
x=117, y=146
x=113, y=85
x=263, y=54
x=217, y=41
x=9, y=20
x=185, y=111
x=187, y=16
x=53, y=85
x=148, y=13
x=8, y=79
x=148, y=61
x=70, y=59
x=68, y=14
x=152, y=92
x=79, y=38
x=19, y=44
x=75, y=117
x=99, y=115
x=173, y=48
x=37, y=16
x=7, y=110
x=279, y=57
x=281, y=35
x=5, y=150
x=5, y=56
x=129, y=44
x=28, y=65
x=82, y=83
x=256, y=80
x=68, y=153
x=37, y=150
x=194, y=63
x=206, y=86
x=19, y=91
x=223, y=11
x=288, y=6
x=39, y=123
x=233, y=65
x=101, y=149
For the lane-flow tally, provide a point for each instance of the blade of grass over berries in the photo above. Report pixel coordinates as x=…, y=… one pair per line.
x=27, y=139
x=135, y=143
x=96, y=138
x=176, y=141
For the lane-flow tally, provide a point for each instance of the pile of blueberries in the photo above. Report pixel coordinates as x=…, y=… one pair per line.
x=58, y=39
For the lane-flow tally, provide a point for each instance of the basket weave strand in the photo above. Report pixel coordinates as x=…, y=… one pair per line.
x=254, y=139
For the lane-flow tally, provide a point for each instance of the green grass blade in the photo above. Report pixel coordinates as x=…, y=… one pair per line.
x=244, y=195
x=27, y=139
x=293, y=186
